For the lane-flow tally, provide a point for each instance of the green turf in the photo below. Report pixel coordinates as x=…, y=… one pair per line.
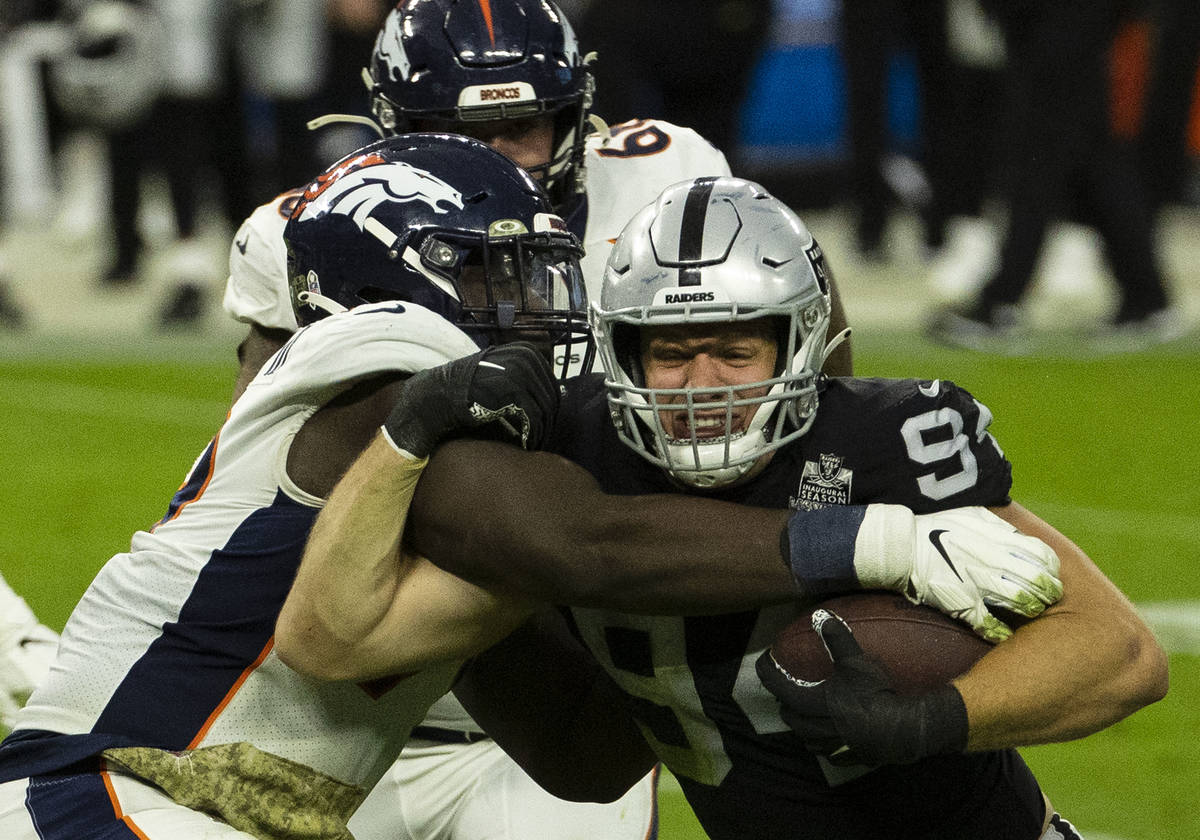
x=92, y=450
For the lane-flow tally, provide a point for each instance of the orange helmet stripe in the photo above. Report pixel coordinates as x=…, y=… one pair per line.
x=486, y=7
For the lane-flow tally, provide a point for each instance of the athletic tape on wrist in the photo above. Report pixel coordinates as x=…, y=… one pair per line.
x=946, y=726
x=818, y=547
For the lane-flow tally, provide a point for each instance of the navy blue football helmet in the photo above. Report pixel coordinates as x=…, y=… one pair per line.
x=445, y=222
x=449, y=62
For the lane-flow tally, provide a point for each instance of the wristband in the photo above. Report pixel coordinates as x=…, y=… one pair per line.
x=818, y=548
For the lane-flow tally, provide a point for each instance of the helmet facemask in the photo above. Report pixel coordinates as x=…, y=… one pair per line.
x=709, y=252
x=512, y=286
x=714, y=436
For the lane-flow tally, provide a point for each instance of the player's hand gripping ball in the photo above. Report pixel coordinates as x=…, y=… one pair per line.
x=865, y=679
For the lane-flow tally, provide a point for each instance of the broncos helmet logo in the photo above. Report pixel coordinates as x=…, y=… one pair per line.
x=359, y=186
x=390, y=48
x=570, y=44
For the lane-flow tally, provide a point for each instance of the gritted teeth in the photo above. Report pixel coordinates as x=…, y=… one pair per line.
x=685, y=438
x=701, y=426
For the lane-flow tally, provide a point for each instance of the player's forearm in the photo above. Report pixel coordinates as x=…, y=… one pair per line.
x=347, y=581
x=1086, y=663
x=536, y=524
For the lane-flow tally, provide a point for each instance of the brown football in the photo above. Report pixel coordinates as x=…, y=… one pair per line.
x=920, y=647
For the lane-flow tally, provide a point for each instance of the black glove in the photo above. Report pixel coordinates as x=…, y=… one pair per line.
x=855, y=716
x=509, y=385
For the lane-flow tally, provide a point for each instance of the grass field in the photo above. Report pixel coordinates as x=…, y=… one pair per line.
x=91, y=449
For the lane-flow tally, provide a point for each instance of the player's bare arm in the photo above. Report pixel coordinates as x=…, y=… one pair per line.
x=1090, y=660
x=357, y=592
x=1085, y=663
x=538, y=522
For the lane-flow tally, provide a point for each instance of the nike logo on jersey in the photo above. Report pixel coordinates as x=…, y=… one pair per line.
x=935, y=537
x=242, y=243
x=932, y=389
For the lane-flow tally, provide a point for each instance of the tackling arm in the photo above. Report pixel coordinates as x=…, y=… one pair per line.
x=502, y=518
x=1087, y=662
x=505, y=518
x=357, y=593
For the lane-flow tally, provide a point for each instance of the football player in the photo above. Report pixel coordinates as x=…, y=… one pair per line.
x=168, y=714
x=512, y=75
x=712, y=327
x=170, y=647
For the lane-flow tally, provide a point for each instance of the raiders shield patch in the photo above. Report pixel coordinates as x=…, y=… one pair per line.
x=823, y=482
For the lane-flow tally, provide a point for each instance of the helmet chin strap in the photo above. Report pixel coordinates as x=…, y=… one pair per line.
x=834, y=343
x=330, y=119
x=599, y=126
x=320, y=301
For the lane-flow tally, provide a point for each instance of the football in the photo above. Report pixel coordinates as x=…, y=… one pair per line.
x=919, y=647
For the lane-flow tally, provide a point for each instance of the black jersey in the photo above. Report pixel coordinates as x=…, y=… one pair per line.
x=691, y=680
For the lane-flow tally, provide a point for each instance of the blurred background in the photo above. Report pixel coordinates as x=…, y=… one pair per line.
x=134, y=137
x=918, y=139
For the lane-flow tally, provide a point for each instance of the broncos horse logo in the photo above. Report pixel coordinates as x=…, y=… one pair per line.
x=390, y=47
x=358, y=186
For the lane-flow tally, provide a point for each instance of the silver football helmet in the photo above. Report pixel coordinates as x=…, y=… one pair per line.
x=713, y=250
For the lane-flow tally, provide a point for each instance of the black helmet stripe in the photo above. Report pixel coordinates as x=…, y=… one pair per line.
x=691, y=228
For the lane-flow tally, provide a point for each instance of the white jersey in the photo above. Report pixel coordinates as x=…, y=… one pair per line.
x=171, y=645
x=626, y=170
x=257, y=291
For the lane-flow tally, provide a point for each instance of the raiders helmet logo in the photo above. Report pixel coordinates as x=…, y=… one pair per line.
x=816, y=258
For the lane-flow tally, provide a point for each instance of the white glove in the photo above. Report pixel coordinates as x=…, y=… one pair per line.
x=958, y=561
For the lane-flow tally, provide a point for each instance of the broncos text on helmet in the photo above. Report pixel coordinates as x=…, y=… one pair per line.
x=444, y=222
x=449, y=62
x=714, y=250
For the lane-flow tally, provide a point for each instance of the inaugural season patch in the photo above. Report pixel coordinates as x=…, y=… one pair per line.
x=823, y=482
